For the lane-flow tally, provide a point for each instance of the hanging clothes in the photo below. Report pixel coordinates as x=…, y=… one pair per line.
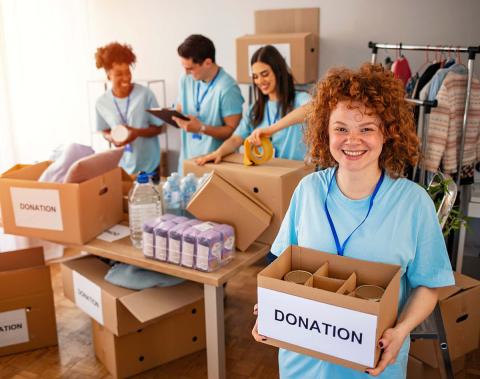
x=425, y=78
x=401, y=70
x=445, y=127
x=440, y=76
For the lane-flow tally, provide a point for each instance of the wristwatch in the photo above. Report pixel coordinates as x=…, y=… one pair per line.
x=203, y=128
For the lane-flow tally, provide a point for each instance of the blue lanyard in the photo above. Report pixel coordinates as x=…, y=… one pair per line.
x=123, y=117
x=277, y=115
x=341, y=248
x=198, y=102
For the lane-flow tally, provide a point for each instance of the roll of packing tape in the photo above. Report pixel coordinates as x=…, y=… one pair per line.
x=257, y=154
x=120, y=133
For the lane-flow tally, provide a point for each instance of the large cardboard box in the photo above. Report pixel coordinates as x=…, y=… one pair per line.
x=220, y=201
x=300, y=51
x=323, y=319
x=27, y=314
x=295, y=20
x=68, y=213
x=158, y=343
x=120, y=310
x=459, y=307
x=271, y=183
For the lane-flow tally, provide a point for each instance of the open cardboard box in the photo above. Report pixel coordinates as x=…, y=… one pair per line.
x=460, y=310
x=161, y=342
x=69, y=213
x=27, y=313
x=220, y=201
x=271, y=183
x=332, y=326
x=118, y=309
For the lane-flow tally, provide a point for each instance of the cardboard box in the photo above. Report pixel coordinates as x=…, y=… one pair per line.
x=68, y=213
x=459, y=305
x=428, y=352
x=220, y=201
x=300, y=51
x=161, y=342
x=296, y=20
x=120, y=310
x=27, y=314
x=272, y=183
x=332, y=326
x=461, y=320
x=419, y=370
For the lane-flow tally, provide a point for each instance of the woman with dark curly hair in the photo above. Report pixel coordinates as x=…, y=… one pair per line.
x=361, y=130
x=125, y=105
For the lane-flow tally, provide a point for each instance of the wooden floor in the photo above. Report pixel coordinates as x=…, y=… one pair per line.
x=75, y=358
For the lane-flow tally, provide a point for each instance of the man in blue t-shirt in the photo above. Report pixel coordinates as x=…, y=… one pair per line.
x=207, y=95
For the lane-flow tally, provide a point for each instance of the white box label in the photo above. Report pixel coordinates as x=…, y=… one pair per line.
x=37, y=208
x=283, y=49
x=13, y=327
x=88, y=296
x=328, y=329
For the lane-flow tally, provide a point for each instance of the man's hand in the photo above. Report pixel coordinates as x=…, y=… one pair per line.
x=192, y=126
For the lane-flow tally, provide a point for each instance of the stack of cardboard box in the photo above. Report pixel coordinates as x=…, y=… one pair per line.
x=294, y=32
x=134, y=331
x=27, y=314
x=262, y=195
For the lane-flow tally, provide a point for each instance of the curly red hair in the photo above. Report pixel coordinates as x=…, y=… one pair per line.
x=382, y=95
x=112, y=53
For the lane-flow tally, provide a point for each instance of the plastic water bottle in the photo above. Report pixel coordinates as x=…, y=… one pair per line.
x=172, y=196
x=203, y=179
x=188, y=186
x=144, y=203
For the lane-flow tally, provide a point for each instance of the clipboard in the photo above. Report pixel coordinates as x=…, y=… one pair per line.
x=166, y=114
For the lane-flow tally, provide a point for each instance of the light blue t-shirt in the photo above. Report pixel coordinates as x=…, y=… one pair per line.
x=145, y=151
x=288, y=143
x=402, y=229
x=223, y=99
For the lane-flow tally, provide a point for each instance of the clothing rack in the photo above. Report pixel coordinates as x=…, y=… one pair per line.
x=471, y=51
x=422, y=128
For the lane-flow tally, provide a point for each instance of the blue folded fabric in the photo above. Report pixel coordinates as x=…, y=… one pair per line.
x=136, y=278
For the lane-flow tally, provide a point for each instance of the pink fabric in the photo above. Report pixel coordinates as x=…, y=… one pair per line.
x=93, y=165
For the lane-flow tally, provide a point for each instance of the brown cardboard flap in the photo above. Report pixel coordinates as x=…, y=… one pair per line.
x=462, y=283
x=95, y=270
x=275, y=166
x=27, y=172
x=287, y=20
x=153, y=303
x=15, y=260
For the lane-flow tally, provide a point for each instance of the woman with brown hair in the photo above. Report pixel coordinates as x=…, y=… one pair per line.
x=125, y=105
x=275, y=96
x=361, y=130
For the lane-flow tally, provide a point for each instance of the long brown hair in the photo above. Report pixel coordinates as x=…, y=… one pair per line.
x=284, y=87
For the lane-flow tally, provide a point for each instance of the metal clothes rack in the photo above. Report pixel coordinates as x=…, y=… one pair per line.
x=471, y=51
x=433, y=326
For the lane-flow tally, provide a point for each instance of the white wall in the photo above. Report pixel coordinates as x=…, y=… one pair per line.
x=156, y=27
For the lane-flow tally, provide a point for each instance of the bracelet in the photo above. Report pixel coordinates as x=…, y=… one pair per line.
x=203, y=128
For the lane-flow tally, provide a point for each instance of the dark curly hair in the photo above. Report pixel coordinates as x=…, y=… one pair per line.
x=112, y=53
x=382, y=95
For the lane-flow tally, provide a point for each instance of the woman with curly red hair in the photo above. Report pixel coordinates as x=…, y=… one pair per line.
x=125, y=104
x=361, y=130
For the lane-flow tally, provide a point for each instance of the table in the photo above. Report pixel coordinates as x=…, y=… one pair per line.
x=123, y=251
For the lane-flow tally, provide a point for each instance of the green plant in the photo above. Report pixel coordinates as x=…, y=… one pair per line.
x=440, y=190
